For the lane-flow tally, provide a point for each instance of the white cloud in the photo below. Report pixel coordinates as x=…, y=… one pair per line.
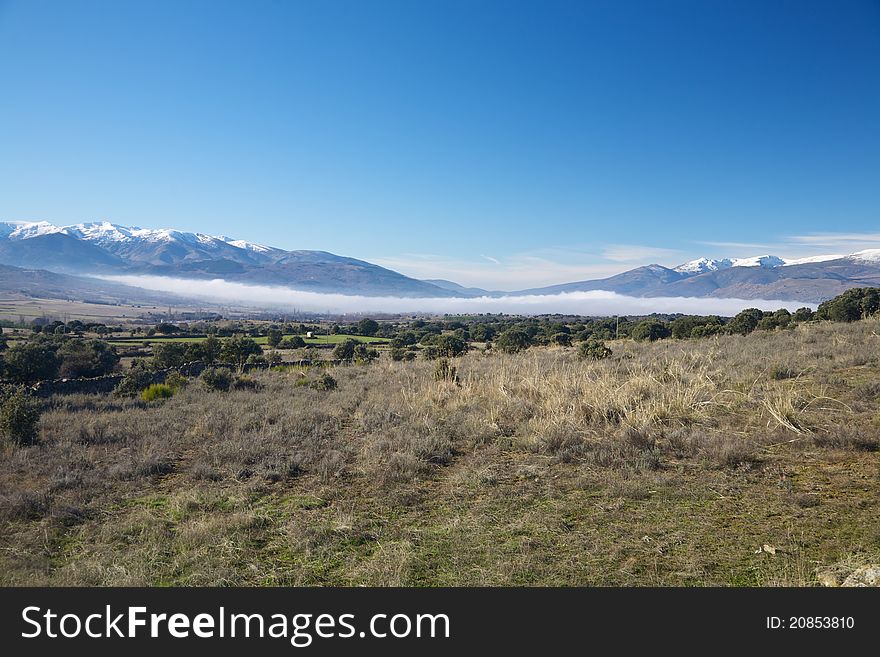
x=576, y=303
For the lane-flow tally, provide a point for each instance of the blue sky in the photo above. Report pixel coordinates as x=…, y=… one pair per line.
x=502, y=144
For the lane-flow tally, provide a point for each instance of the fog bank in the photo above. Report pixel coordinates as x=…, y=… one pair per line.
x=596, y=302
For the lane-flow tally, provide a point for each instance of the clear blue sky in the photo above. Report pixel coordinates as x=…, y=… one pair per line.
x=494, y=143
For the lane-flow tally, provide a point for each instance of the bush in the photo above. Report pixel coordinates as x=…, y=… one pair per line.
x=176, y=381
x=513, y=340
x=445, y=371
x=782, y=372
x=850, y=306
x=345, y=349
x=323, y=382
x=87, y=358
x=135, y=380
x=217, y=378
x=293, y=342
x=353, y=350
x=401, y=353
x=364, y=354
x=169, y=354
x=157, y=391
x=31, y=362
x=593, y=349
x=19, y=416
x=651, y=329
x=449, y=346
x=245, y=382
x=238, y=349
x=273, y=338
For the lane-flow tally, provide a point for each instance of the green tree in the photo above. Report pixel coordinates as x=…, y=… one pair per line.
x=19, y=415
x=238, y=349
x=169, y=354
x=293, y=342
x=87, y=358
x=449, y=346
x=651, y=329
x=803, y=314
x=273, y=338
x=513, y=340
x=593, y=349
x=345, y=349
x=746, y=321
x=367, y=327
x=31, y=362
x=852, y=305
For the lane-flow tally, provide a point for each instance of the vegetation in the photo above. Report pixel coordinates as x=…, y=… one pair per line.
x=509, y=458
x=157, y=391
x=19, y=416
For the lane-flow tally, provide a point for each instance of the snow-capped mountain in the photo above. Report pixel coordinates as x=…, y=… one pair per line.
x=703, y=265
x=106, y=248
x=102, y=248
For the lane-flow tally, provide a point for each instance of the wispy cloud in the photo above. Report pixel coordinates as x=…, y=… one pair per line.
x=749, y=246
x=837, y=239
x=516, y=272
x=596, y=302
x=636, y=253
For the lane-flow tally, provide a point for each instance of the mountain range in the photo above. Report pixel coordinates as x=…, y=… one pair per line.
x=106, y=249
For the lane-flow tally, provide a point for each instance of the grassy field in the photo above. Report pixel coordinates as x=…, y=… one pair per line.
x=728, y=461
x=14, y=308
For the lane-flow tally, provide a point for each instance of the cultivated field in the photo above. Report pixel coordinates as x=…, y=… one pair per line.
x=733, y=460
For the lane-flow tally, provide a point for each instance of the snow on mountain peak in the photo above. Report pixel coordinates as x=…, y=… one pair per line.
x=703, y=265
x=868, y=255
x=22, y=230
x=765, y=261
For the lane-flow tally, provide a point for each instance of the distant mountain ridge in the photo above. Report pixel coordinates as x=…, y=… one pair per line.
x=104, y=248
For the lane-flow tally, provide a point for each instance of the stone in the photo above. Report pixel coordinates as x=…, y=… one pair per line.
x=864, y=576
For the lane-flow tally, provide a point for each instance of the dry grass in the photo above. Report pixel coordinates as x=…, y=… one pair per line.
x=669, y=463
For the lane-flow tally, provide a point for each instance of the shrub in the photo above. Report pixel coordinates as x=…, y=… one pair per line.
x=345, y=349
x=367, y=327
x=782, y=372
x=449, y=346
x=273, y=338
x=364, y=354
x=175, y=380
x=513, y=340
x=593, y=349
x=651, y=329
x=245, y=382
x=239, y=349
x=217, y=378
x=19, y=416
x=323, y=382
x=157, y=391
x=850, y=306
x=562, y=339
x=169, y=354
x=293, y=342
x=445, y=371
x=135, y=380
x=401, y=354
x=87, y=358
x=31, y=362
